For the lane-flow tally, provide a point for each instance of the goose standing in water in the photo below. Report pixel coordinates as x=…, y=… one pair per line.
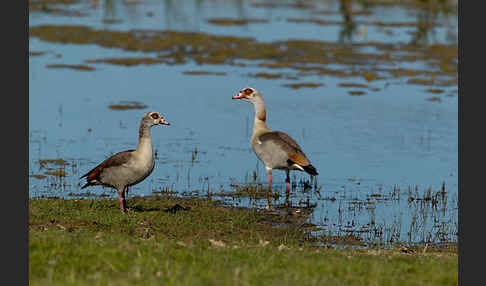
x=129, y=167
x=275, y=149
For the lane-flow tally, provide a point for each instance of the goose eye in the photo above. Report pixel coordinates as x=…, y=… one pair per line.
x=154, y=116
x=247, y=91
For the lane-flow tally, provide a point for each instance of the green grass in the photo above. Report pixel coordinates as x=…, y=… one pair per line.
x=89, y=242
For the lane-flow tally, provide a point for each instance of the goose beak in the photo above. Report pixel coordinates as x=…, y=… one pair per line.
x=238, y=96
x=163, y=122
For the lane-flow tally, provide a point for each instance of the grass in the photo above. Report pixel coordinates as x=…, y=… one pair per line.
x=187, y=241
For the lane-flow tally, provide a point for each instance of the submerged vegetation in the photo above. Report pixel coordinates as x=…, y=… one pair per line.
x=231, y=22
x=305, y=57
x=356, y=224
x=74, y=67
x=125, y=105
x=129, y=61
x=356, y=92
x=203, y=73
x=304, y=84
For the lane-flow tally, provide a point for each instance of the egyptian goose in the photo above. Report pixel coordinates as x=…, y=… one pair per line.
x=275, y=149
x=129, y=167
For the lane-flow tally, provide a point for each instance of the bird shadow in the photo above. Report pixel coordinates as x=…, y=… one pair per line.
x=175, y=208
x=138, y=209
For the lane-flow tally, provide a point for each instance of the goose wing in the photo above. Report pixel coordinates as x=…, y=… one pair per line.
x=118, y=159
x=288, y=145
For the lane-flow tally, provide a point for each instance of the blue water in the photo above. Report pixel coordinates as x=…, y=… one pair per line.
x=390, y=138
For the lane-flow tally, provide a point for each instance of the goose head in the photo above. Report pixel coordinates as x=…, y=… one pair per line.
x=153, y=118
x=248, y=94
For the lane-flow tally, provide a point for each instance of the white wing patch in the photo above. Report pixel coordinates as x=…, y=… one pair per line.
x=297, y=167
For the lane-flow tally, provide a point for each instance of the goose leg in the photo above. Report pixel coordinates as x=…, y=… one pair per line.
x=269, y=174
x=125, y=201
x=121, y=199
x=287, y=181
x=287, y=185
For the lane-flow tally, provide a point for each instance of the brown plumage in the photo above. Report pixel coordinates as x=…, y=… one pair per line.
x=263, y=116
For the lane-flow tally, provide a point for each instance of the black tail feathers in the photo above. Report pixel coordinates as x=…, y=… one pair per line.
x=310, y=170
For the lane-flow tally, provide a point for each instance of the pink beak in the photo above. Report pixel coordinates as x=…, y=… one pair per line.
x=163, y=122
x=238, y=96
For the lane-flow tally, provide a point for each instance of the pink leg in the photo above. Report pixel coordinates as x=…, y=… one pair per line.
x=123, y=202
x=269, y=198
x=287, y=186
x=121, y=199
x=269, y=173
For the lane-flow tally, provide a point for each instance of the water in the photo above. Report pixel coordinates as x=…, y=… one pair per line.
x=364, y=147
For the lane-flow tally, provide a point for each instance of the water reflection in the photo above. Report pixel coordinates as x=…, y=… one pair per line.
x=109, y=9
x=194, y=14
x=425, y=32
x=348, y=27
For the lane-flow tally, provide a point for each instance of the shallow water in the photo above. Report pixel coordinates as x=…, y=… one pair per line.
x=364, y=147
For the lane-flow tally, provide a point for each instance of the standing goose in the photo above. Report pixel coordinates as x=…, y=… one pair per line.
x=129, y=167
x=275, y=149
